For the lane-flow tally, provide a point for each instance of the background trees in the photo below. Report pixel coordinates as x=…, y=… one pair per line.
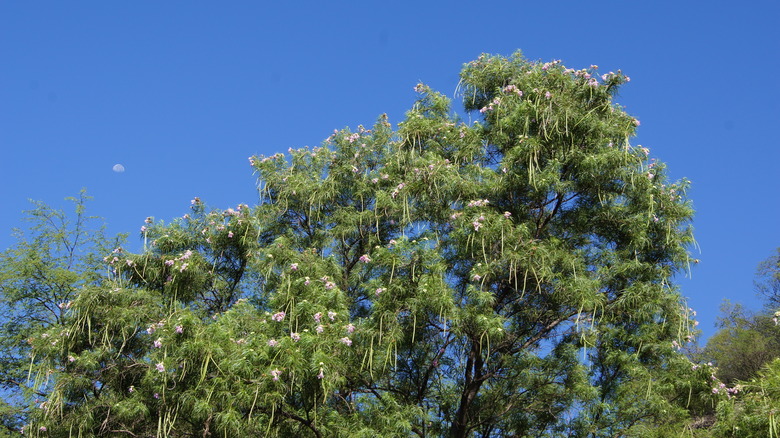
x=509, y=276
x=745, y=343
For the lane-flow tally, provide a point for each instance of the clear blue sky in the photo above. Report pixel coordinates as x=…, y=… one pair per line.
x=181, y=93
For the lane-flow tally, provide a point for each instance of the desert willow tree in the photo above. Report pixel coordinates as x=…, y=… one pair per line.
x=506, y=277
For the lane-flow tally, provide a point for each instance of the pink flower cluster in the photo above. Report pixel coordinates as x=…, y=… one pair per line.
x=397, y=190
x=513, y=89
x=154, y=326
x=278, y=316
x=547, y=65
x=477, y=224
x=478, y=203
x=491, y=106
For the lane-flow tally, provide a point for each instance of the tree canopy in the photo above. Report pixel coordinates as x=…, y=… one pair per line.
x=507, y=272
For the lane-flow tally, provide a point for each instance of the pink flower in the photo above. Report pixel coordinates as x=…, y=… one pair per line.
x=156, y=395
x=476, y=225
x=179, y=329
x=329, y=285
x=230, y=234
x=507, y=214
x=332, y=315
x=321, y=375
x=365, y=258
x=548, y=94
x=158, y=343
x=160, y=367
x=294, y=267
x=273, y=342
x=379, y=290
x=71, y=359
x=346, y=341
x=278, y=317
x=183, y=267
x=276, y=373
x=131, y=389
x=318, y=316
x=169, y=262
x=350, y=328
x=320, y=328
x=143, y=229
x=636, y=122
x=307, y=282
x=476, y=277
x=43, y=429
x=295, y=337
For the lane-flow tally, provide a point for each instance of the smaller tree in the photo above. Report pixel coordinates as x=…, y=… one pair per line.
x=768, y=281
x=40, y=277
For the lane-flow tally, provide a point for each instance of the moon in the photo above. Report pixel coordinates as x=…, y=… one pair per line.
x=118, y=168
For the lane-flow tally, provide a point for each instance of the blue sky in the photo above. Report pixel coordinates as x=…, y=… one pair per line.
x=181, y=93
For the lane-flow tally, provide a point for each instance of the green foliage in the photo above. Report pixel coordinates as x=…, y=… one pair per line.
x=507, y=277
x=754, y=411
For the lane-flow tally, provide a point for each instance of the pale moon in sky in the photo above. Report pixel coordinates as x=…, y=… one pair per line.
x=118, y=168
